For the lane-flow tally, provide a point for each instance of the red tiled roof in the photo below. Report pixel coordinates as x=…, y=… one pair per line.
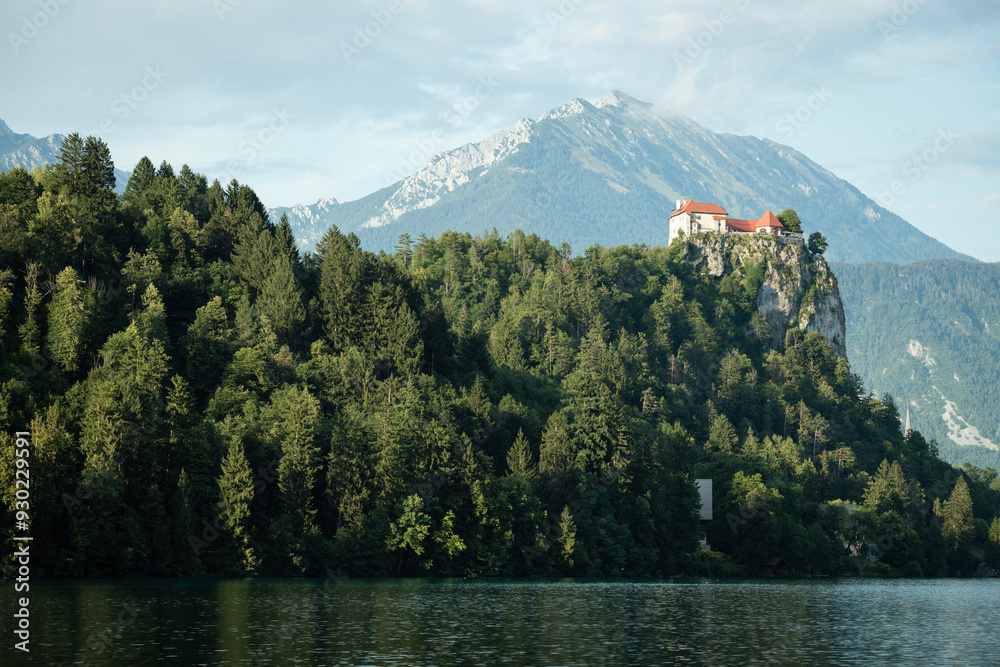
x=738, y=225
x=769, y=220
x=692, y=206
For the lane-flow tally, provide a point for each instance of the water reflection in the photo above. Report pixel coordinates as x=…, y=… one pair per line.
x=508, y=622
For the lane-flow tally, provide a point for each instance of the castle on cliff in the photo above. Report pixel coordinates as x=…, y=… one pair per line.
x=692, y=217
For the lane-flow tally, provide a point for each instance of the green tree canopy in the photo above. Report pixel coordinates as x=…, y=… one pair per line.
x=790, y=220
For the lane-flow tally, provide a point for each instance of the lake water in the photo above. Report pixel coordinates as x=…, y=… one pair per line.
x=510, y=622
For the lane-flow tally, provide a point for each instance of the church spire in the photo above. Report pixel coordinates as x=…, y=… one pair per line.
x=906, y=430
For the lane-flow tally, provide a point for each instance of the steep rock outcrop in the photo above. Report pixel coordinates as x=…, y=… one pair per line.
x=799, y=289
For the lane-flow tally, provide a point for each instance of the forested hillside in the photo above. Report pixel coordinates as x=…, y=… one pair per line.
x=202, y=399
x=930, y=331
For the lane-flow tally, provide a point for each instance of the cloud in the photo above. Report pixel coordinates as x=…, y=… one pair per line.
x=977, y=151
x=756, y=62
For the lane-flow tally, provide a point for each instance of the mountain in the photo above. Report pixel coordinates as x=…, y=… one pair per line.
x=610, y=173
x=929, y=333
x=28, y=152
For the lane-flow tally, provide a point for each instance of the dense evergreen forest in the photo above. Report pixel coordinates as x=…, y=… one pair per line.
x=202, y=399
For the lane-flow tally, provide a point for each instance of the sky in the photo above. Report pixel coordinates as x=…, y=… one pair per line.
x=311, y=100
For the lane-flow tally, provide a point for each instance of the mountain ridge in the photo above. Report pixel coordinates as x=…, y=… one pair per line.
x=609, y=173
x=29, y=152
x=929, y=334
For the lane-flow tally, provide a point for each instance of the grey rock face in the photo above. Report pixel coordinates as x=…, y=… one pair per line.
x=799, y=289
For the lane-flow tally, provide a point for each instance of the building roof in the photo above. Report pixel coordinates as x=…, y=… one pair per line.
x=769, y=220
x=691, y=206
x=738, y=225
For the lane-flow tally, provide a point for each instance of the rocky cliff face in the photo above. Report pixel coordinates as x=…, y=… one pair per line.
x=799, y=289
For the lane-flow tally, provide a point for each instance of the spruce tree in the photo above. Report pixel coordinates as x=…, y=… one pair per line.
x=69, y=168
x=281, y=300
x=556, y=455
x=97, y=172
x=957, y=526
x=294, y=416
x=391, y=337
x=519, y=457
x=721, y=435
x=31, y=330
x=993, y=545
x=254, y=253
x=55, y=232
x=567, y=535
x=141, y=179
x=67, y=320
x=284, y=241
x=236, y=493
x=345, y=272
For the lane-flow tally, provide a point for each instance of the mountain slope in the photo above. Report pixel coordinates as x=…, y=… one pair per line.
x=610, y=173
x=930, y=331
x=28, y=152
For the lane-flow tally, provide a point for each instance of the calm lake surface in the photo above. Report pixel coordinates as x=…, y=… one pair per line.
x=510, y=622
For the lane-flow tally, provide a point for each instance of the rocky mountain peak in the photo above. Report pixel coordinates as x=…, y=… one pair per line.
x=9, y=140
x=616, y=98
x=610, y=173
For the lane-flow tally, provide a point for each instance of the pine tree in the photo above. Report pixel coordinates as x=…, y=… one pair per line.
x=281, y=300
x=889, y=490
x=817, y=243
x=55, y=232
x=141, y=179
x=67, y=320
x=69, y=167
x=957, y=526
x=165, y=171
x=208, y=345
x=97, y=172
x=721, y=435
x=294, y=417
x=519, y=457
x=993, y=545
x=284, y=241
x=31, y=330
x=185, y=237
x=190, y=447
x=127, y=398
x=236, y=493
x=567, y=535
x=246, y=323
x=55, y=468
x=391, y=338
x=344, y=275
x=151, y=319
x=6, y=299
x=254, y=253
x=404, y=248
x=557, y=455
